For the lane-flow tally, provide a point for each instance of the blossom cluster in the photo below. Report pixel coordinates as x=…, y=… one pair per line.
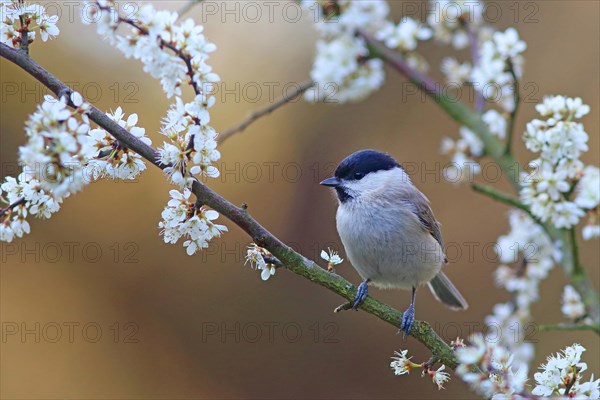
x=17, y=18
x=572, y=306
x=192, y=146
x=561, y=376
x=63, y=155
x=489, y=370
x=449, y=20
x=58, y=145
x=499, y=378
x=559, y=141
x=468, y=148
x=342, y=70
x=527, y=255
x=23, y=196
x=492, y=76
x=184, y=218
x=401, y=365
x=255, y=256
x=114, y=160
x=175, y=53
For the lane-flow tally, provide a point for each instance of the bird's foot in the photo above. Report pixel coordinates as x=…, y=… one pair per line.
x=361, y=295
x=407, y=320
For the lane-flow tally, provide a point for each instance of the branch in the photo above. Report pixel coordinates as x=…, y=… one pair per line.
x=513, y=113
x=302, y=87
x=293, y=261
x=574, y=327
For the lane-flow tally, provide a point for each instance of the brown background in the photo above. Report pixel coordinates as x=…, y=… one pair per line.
x=173, y=299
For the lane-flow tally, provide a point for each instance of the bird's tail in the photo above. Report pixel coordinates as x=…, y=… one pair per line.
x=444, y=291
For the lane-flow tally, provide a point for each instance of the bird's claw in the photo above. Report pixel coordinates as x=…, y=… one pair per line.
x=408, y=317
x=361, y=295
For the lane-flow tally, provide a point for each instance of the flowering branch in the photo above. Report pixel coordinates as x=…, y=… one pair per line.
x=302, y=87
x=240, y=216
x=186, y=58
x=455, y=109
x=495, y=150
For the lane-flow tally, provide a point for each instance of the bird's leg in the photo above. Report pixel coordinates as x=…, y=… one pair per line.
x=361, y=294
x=409, y=315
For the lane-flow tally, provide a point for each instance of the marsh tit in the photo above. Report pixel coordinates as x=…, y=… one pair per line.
x=389, y=232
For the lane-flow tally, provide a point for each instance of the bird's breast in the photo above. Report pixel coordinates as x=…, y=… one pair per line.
x=388, y=244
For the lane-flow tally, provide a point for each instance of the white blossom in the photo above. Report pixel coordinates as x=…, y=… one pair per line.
x=572, y=306
x=455, y=72
x=331, y=257
x=255, y=255
x=439, y=377
x=401, y=364
x=496, y=123
x=508, y=43
x=464, y=152
x=403, y=36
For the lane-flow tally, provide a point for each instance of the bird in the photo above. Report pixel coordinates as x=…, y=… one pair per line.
x=389, y=232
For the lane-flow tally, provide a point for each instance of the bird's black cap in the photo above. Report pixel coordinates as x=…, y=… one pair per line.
x=361, y=163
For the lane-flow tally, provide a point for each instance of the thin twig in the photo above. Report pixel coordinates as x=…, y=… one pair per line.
x=572, y=327
x=302, y=87
x=188, y=6
x=12, y=206
x=24, y=44
x=294, y=262
x=474, y=46
x=513, y=113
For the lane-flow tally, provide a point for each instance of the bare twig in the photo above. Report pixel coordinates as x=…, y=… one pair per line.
x=293, y=261
x=302, y=87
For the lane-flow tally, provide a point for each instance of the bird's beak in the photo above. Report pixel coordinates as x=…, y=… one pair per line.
x=333, y=182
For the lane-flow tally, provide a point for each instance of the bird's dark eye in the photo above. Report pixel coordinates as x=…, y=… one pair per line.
x=358, y=175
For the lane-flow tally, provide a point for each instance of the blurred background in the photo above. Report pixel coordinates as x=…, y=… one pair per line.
x=95, y=305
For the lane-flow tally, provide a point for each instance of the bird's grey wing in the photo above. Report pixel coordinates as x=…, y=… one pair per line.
x=419, y=204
